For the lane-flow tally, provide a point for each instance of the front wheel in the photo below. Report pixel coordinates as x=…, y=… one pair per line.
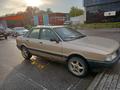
x=77, y=66
x=25, y=53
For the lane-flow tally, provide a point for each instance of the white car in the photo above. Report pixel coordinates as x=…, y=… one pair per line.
x=19, y=31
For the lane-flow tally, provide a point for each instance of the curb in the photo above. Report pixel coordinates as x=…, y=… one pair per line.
x=96, y=81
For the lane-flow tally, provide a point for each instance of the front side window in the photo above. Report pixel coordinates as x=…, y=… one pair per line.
x=34, y=34
x=47, y=34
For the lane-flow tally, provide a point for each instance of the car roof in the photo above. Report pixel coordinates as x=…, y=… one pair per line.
x=45, y=26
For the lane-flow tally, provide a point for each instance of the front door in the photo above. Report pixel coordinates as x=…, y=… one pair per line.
x=52, y=48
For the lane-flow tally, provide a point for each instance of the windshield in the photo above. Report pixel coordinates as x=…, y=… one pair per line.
x=68, y=34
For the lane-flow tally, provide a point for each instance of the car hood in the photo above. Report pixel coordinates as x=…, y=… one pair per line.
x=99, y=43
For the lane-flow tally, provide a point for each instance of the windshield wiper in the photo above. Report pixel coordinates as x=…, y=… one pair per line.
x=74, y=37
x=80, y=36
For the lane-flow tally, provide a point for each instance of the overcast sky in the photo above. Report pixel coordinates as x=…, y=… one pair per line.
x=12, y=6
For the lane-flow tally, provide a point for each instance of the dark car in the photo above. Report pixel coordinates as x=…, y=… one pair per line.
x=3, y=33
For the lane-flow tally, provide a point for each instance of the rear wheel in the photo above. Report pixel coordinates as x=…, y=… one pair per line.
x=25, y=53
x=77, y=66
x=6, y=37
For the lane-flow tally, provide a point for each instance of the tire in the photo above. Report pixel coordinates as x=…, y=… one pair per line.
x=6, y=37
x=25, y=53
x=77, y=66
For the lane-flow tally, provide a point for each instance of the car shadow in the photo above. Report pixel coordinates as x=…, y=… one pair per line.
x=36, y=74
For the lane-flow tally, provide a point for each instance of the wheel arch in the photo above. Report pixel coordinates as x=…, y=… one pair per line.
x=23, y=45
x=77, y=55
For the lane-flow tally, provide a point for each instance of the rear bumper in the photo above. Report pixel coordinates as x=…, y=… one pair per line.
x=3, y=35
x=104, y=64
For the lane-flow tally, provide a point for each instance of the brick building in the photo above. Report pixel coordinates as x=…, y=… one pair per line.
x=51, y=19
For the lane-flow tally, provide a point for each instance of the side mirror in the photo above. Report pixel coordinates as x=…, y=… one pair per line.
x=53, y=39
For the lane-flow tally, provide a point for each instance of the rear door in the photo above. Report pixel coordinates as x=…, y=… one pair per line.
x=33, y=42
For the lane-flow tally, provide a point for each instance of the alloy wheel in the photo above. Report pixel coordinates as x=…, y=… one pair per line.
x=76, y=67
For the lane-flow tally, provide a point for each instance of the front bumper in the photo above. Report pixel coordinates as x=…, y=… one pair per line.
x=103, y=64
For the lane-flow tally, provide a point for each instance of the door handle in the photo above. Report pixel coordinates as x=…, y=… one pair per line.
x=41, y=42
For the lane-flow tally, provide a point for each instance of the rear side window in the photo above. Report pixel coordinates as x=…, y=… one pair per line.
x=34, y=34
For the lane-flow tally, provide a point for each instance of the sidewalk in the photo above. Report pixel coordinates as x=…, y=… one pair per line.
x=107, y=80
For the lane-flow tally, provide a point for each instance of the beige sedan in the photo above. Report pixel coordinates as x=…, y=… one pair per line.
x=59, y=43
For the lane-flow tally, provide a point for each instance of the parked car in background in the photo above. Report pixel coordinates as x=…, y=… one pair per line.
x=67, y=23
x=3, y=33
x=81, y=53
x=19, y=31
x=9, y=31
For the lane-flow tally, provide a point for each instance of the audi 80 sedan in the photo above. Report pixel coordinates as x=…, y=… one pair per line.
x=59, y=43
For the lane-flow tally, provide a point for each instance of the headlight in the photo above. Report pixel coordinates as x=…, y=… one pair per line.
x=111, y=57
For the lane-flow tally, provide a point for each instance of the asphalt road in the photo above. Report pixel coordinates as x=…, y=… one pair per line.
x=38, y=74
x=112, y=33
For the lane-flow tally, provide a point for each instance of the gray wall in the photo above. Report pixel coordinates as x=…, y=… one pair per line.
x=78, y=20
